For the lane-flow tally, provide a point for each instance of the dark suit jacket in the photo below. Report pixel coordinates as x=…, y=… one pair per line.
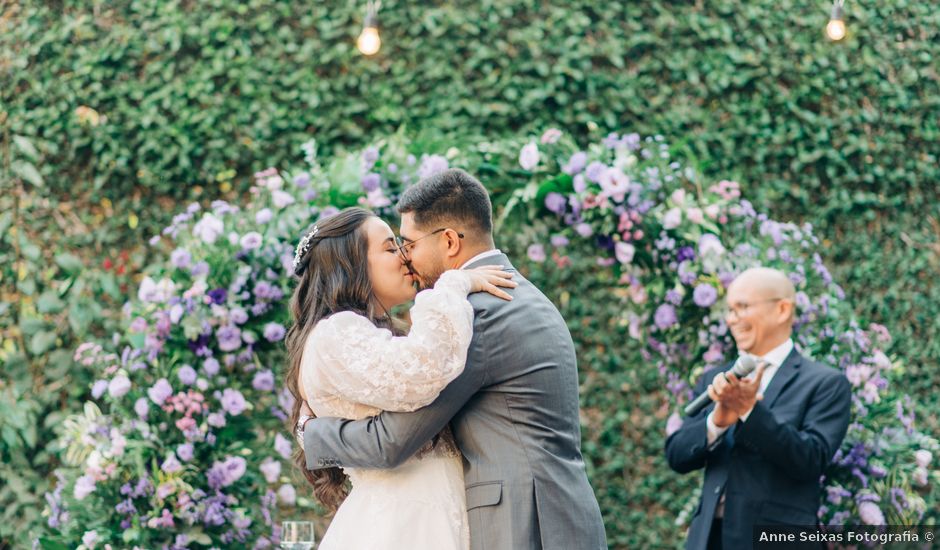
x=769, y=466
x=514, y=414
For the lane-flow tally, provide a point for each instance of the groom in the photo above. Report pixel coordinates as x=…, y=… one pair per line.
x=514, y=409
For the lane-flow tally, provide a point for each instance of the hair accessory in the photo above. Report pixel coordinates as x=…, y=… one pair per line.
x=303, y=247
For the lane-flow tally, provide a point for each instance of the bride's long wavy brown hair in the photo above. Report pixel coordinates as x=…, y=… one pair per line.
x=332, y=276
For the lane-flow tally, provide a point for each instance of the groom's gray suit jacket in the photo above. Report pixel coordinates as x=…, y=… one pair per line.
x=514, y=413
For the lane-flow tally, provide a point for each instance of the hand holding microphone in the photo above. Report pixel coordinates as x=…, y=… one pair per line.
x=742, y=367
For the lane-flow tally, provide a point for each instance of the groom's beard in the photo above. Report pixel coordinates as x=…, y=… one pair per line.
x=426, y=278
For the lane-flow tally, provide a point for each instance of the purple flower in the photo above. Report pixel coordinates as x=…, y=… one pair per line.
x=575, y=163
x=218, y=295
x=141, y=407
x=263, y=381
x=870, y=513
x=171, y=465
x=233, y=402
x=274, y=332
x=187, y=375
x=432, y=164
x=594, y=171
x=119, y=386
x=223, y=474
x=208, y=228
x=210, y=366
x=301, y=180
x=556, y=202
x=216, y=420
x=559, y=241
x=160, y=391
x=673, y=297
x=536, y=253
x=704, y=295
x=185, y=451
x=271, y=469
x=237, y=315
x=371, y=181
x=181, y=258
x=230, y=338
x=584, y=229
x=580, y=186
x=282, y=446
x=665, y=316
x=98, y=388
x=251, y=241
x=369, y=156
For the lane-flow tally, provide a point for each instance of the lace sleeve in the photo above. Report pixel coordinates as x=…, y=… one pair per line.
x=369, y=365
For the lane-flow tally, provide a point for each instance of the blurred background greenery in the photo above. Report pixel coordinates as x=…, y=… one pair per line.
x=115, y=114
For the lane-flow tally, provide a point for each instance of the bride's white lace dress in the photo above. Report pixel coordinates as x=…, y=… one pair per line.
x=353, y=369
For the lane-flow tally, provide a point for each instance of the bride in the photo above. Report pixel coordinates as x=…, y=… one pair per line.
x=349, y=359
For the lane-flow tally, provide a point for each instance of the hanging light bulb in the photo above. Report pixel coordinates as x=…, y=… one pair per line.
x=369, y=41
x=835, y=29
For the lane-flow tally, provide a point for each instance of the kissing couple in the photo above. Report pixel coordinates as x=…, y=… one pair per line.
x=460, y=431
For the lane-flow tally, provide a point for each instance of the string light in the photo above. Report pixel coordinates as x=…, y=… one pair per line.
x=369, y=41
x=835, y=29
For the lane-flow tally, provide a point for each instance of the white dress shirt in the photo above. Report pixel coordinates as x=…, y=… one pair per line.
x=774, y=358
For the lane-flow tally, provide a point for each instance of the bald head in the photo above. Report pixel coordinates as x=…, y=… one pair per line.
x=761, y=309
x=767, y=282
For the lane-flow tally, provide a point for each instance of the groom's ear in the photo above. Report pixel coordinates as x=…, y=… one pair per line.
x=454, y=243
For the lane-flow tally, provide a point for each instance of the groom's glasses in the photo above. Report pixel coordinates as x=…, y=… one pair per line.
x=405, y=246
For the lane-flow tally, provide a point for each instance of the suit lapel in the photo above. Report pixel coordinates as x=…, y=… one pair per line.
x=785, y=376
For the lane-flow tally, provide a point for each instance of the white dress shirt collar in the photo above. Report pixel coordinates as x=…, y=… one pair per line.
x=481, y=255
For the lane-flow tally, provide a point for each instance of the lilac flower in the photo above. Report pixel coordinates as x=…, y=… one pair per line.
x=536, y=253
x=280, y=199
x=594, y=171
x=210, y=366
x=227, y=472
x=529, y=156
x=181, y=258
x=160, y=391
x=98, y=388
x=233, y=402
x=624, y=252
x=559, y=241
x=90, y=539
x=271, y=469
x=141, y=407
x=237, y=315
x=199, y=269
x=263, y=381
x=229, y=337
x=208, y=228
x=556, y=202
x=263, y=216
x=119, y=386
x=673, y=297
x=369, y=157
x=584, y=229
x=185, y=451
x=665, y=316
x=575, y=163
x=216, y=420
x=631, y=141
x=552, y=135
x=171, y=465
x=187, y=375
x=274, y=332
x=870, y=513
x=580, y=186
x=371, y=181
x=282, y=446
x=704, y=295
x=251, y=240
x=84, y=486
x=431, y=164
x=709, y=244
x=672, y=218
x=922, y=457
x=287, y=495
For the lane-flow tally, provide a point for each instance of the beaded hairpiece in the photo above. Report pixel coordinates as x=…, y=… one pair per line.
x=303, y=247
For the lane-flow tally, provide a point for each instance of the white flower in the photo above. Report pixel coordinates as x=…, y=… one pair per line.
x=624, y=252
x=695, y=215
x=922, y=457
x=529, y=156
x=90, y=539
x=208, y=228
x=614, y=184
x=151, y=291
x=119, y=386
x=678, y=197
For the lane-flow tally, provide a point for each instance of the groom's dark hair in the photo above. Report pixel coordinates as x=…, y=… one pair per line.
x=449, y=197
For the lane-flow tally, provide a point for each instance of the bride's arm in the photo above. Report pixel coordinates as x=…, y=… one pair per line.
x=369, y=365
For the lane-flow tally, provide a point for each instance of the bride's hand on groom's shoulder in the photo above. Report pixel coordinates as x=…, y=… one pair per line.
x=489, y=278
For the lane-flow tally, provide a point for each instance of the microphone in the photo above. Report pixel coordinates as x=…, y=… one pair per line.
x=744, y=366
